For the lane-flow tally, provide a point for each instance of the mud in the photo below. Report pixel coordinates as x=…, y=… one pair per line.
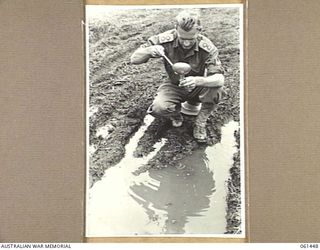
x=120, y=93
x=234, y=193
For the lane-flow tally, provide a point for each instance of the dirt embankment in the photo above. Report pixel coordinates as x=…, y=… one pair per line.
x=234, y=192
x=120, y=93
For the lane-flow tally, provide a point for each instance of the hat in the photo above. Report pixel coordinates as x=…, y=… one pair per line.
x=190, y=109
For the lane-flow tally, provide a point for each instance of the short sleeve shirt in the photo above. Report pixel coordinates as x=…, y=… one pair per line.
x=202, y=57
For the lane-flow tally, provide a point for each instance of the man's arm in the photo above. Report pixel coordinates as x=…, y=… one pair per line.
x=213, y=81
x=216, y=80
x=143, y=54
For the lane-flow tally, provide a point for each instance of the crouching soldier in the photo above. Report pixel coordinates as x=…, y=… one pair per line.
x=204, y=81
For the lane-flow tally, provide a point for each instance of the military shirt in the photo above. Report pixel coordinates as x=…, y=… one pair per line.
x=202, y=57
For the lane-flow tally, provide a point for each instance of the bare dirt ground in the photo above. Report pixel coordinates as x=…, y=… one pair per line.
x=120, y=93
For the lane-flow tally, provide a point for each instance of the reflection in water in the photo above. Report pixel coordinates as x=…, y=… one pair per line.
x=167, y=201
x=220, y=159
x=181, y=193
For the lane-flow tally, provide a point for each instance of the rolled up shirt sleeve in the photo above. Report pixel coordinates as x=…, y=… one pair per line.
x=213, y=64
x=154, y=40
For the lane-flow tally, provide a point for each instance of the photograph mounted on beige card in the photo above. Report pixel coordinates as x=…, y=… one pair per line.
x=165, y=121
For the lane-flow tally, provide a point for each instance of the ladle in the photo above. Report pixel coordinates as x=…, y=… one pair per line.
x=180, y=68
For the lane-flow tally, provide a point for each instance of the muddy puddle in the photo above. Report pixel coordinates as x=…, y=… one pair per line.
x=188, y=199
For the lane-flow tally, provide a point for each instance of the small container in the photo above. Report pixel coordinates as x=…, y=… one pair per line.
x=190, y=108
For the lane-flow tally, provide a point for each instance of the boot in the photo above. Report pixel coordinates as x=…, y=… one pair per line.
x=199, y=130
x=177, y=120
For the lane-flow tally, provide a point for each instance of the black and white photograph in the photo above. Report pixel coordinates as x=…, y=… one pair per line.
x=165, y=121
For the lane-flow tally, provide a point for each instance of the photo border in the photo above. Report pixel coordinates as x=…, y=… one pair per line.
x=243, y=128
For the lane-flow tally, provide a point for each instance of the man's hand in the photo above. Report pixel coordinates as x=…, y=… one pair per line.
x=190, y=82
x=156, y=50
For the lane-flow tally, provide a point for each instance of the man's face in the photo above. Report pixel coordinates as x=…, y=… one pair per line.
x=187, y=38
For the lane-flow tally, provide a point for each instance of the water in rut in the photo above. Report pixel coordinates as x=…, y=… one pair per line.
x=168, y=201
